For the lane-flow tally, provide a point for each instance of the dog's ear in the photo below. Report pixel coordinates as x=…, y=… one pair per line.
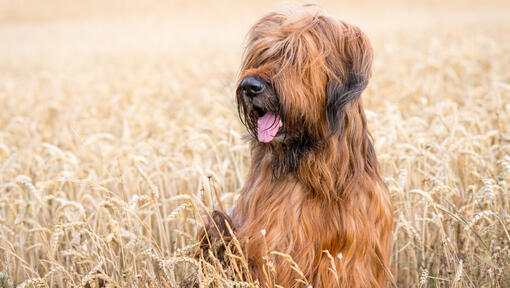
x=351, y=65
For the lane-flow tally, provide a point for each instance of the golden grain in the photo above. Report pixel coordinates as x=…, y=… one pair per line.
x=118, y=131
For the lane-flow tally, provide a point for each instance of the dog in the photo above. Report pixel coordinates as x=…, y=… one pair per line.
x=314, y=210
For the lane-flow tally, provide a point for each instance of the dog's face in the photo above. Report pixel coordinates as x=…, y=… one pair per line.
x=300, y=68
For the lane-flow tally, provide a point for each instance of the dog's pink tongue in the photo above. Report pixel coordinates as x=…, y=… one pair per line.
x=267, y=127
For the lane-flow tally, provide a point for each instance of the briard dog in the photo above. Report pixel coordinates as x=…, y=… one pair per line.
x=314, y=191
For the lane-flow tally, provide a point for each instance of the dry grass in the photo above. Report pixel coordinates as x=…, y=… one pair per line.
x=115, y=132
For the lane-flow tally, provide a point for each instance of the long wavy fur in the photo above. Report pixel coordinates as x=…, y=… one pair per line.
x=320, y=188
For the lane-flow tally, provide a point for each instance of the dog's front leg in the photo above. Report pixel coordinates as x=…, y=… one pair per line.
x=216, y=234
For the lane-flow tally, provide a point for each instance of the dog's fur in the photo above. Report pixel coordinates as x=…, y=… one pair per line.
x=315, y=190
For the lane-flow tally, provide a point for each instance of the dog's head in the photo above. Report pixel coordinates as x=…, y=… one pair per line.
x=301, y=67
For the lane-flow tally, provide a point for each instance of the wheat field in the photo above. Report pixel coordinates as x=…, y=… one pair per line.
x=118, y=130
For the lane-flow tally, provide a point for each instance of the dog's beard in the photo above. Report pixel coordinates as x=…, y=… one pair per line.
x=270, y=132
x=286, y=148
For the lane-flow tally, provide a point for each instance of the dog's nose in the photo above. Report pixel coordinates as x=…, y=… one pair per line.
x=252, y=86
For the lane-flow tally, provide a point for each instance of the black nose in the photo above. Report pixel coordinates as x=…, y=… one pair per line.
x=252, y=86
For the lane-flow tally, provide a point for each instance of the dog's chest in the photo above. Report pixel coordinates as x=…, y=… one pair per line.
x=281, y=210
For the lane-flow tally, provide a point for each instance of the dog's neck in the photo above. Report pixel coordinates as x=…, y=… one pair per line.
x=330, y=169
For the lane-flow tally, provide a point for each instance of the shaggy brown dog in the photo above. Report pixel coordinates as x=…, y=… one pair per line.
x=314, y=191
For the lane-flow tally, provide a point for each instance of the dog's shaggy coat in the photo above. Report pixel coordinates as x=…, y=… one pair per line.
x=314, y=190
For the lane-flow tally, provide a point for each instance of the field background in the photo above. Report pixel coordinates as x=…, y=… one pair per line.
x=117, y=124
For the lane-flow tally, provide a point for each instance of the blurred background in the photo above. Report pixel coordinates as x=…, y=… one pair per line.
x=84, y=27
